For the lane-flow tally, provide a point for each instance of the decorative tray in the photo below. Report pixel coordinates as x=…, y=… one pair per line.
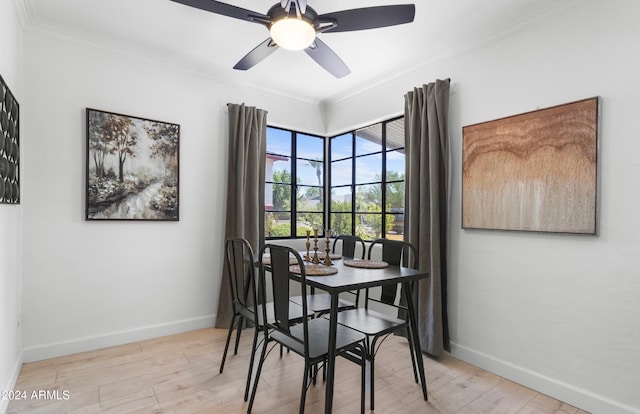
x=314, y=270
x=366, y=264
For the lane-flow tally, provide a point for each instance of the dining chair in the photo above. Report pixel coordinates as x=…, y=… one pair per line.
x=309, y=338
x=320, y=303
x=349, y=244
x=240, y=262
x=390, y=314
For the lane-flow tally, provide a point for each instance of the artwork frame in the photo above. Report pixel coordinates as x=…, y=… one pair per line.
x=536, y=171
x=9, y=146
x=132, y=168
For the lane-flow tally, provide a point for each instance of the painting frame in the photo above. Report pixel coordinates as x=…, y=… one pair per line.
x=9, y=146
x=536, y=171
x=132, y=168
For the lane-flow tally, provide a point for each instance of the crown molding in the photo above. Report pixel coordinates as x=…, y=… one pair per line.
x=531, y=18
x=534, y=16
x=35, y=24
x=24, y=9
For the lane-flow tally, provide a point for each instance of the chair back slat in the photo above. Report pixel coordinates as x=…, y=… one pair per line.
x=280, y=277
x=396, y=253
x=241, y=272
x=349, y=244
x=279, y=268
x=392, y=252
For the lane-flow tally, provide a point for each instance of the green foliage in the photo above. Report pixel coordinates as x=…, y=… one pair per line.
x=368, y=205
x=313, y=192
x=341, y=223
x=368, y=226
x=306, y=221
x=280, y=230
x=274, y=227
x=395, y=190
x=281, y=193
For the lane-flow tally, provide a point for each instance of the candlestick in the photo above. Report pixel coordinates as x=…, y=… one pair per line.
x=307, y=257
x=327, y=259
x=315, y=260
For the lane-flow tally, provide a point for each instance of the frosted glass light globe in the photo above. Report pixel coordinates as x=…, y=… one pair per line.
x=292, y=34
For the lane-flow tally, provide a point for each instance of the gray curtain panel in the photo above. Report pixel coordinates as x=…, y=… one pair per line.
x=427, y=205
x=245, y=189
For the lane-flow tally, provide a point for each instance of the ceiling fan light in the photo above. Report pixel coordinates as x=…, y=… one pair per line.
x=293, y=34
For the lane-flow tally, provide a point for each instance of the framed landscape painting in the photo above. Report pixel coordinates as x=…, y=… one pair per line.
x=132, y=168
x=535, y=171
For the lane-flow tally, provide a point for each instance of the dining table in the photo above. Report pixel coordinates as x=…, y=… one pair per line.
x=349, y=278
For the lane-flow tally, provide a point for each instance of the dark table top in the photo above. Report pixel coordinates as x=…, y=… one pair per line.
x=352, y=278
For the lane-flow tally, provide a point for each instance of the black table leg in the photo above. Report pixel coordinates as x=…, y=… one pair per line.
x=415, y=337
x=331, y=357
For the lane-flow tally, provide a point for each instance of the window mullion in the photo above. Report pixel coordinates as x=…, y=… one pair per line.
x=294, y=184
x=383, y=230
x=353, y=183
x=326, y=185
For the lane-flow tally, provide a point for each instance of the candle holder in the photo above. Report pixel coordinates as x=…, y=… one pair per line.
x=327, y=258
x=307, y=257
x=315, y=259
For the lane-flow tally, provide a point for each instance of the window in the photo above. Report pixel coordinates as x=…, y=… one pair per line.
x=366, y=182
x=294, y=183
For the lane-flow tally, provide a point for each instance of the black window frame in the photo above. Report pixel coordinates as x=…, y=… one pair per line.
x=326, y=187
x=295, y=185
x=354, y=184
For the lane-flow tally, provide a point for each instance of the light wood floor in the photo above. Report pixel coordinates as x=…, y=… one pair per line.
x=179, y=374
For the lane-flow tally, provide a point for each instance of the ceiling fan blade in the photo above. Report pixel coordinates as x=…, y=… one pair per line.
x=225, y=10
x=327, y=58
x=256, y=56
x=370, y=17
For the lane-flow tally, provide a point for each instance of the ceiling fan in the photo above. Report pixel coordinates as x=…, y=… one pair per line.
x=293, y=25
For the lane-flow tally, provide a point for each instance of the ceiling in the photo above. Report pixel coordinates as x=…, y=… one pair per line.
x=212, y=44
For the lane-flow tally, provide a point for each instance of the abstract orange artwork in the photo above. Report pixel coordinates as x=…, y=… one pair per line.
x=535, y=171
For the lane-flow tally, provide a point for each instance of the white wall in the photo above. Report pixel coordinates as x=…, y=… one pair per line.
x=10, y=216
x=559, y=313
x=90, y=284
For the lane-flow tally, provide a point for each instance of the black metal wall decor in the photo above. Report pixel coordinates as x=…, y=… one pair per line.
x=9, y=146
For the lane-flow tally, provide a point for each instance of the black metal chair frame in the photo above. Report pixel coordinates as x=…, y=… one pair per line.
x=239, y=259
x=349, y=244
x=377, y=326
x=240, y=262
x=308, y=338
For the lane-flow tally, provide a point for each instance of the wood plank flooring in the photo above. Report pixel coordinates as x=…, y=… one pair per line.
x=179, y=374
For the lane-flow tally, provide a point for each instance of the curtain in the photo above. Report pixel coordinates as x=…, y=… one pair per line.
x=245, y=189
x=427, y=204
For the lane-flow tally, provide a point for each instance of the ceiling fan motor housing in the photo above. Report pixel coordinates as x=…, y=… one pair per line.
x=277, y=12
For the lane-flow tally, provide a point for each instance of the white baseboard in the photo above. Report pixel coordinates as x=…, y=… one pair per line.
x=74, y=346
x=578, y=397
x=11, y=383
